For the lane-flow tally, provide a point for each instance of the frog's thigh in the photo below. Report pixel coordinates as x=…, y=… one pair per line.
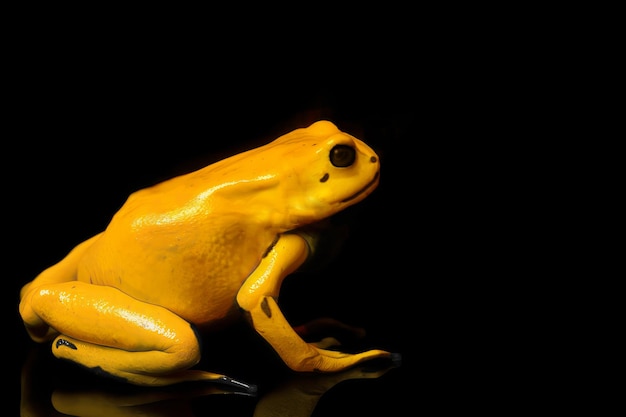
x=103, y=327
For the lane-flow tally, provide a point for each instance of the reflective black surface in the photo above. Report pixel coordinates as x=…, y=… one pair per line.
x=49, y=387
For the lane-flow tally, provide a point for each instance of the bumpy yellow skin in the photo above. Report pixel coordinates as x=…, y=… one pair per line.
x=201, y=248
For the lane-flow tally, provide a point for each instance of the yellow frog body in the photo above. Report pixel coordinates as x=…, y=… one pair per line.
x=195, y=251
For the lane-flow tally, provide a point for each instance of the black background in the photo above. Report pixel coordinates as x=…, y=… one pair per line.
x=92, y=118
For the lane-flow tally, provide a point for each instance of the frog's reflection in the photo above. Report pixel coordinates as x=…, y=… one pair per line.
x=49, y=388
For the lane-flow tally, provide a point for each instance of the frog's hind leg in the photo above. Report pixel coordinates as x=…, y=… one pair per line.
x=130, y=366
x=103, y=329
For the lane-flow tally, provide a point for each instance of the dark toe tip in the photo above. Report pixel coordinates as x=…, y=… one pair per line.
x=250, y=388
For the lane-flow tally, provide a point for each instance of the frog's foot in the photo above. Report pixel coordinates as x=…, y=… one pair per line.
x=126, y=365
x=324, y=360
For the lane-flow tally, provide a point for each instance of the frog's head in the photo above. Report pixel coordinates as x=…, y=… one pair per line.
x=303, y=176
x=323, y=171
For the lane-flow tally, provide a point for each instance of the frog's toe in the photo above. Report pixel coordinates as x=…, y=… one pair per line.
x=250, y=388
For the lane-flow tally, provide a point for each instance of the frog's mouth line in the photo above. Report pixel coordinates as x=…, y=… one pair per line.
x=362, y=190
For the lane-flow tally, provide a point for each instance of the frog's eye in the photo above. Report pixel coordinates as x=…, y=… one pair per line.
x=342, y=156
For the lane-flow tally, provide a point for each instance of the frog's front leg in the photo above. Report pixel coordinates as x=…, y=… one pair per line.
x=258, y=297
x=104, y=329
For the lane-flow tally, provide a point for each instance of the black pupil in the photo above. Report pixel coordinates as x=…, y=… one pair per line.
x=342, y=155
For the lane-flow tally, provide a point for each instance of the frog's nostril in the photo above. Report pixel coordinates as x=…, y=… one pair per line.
x=373, y=159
